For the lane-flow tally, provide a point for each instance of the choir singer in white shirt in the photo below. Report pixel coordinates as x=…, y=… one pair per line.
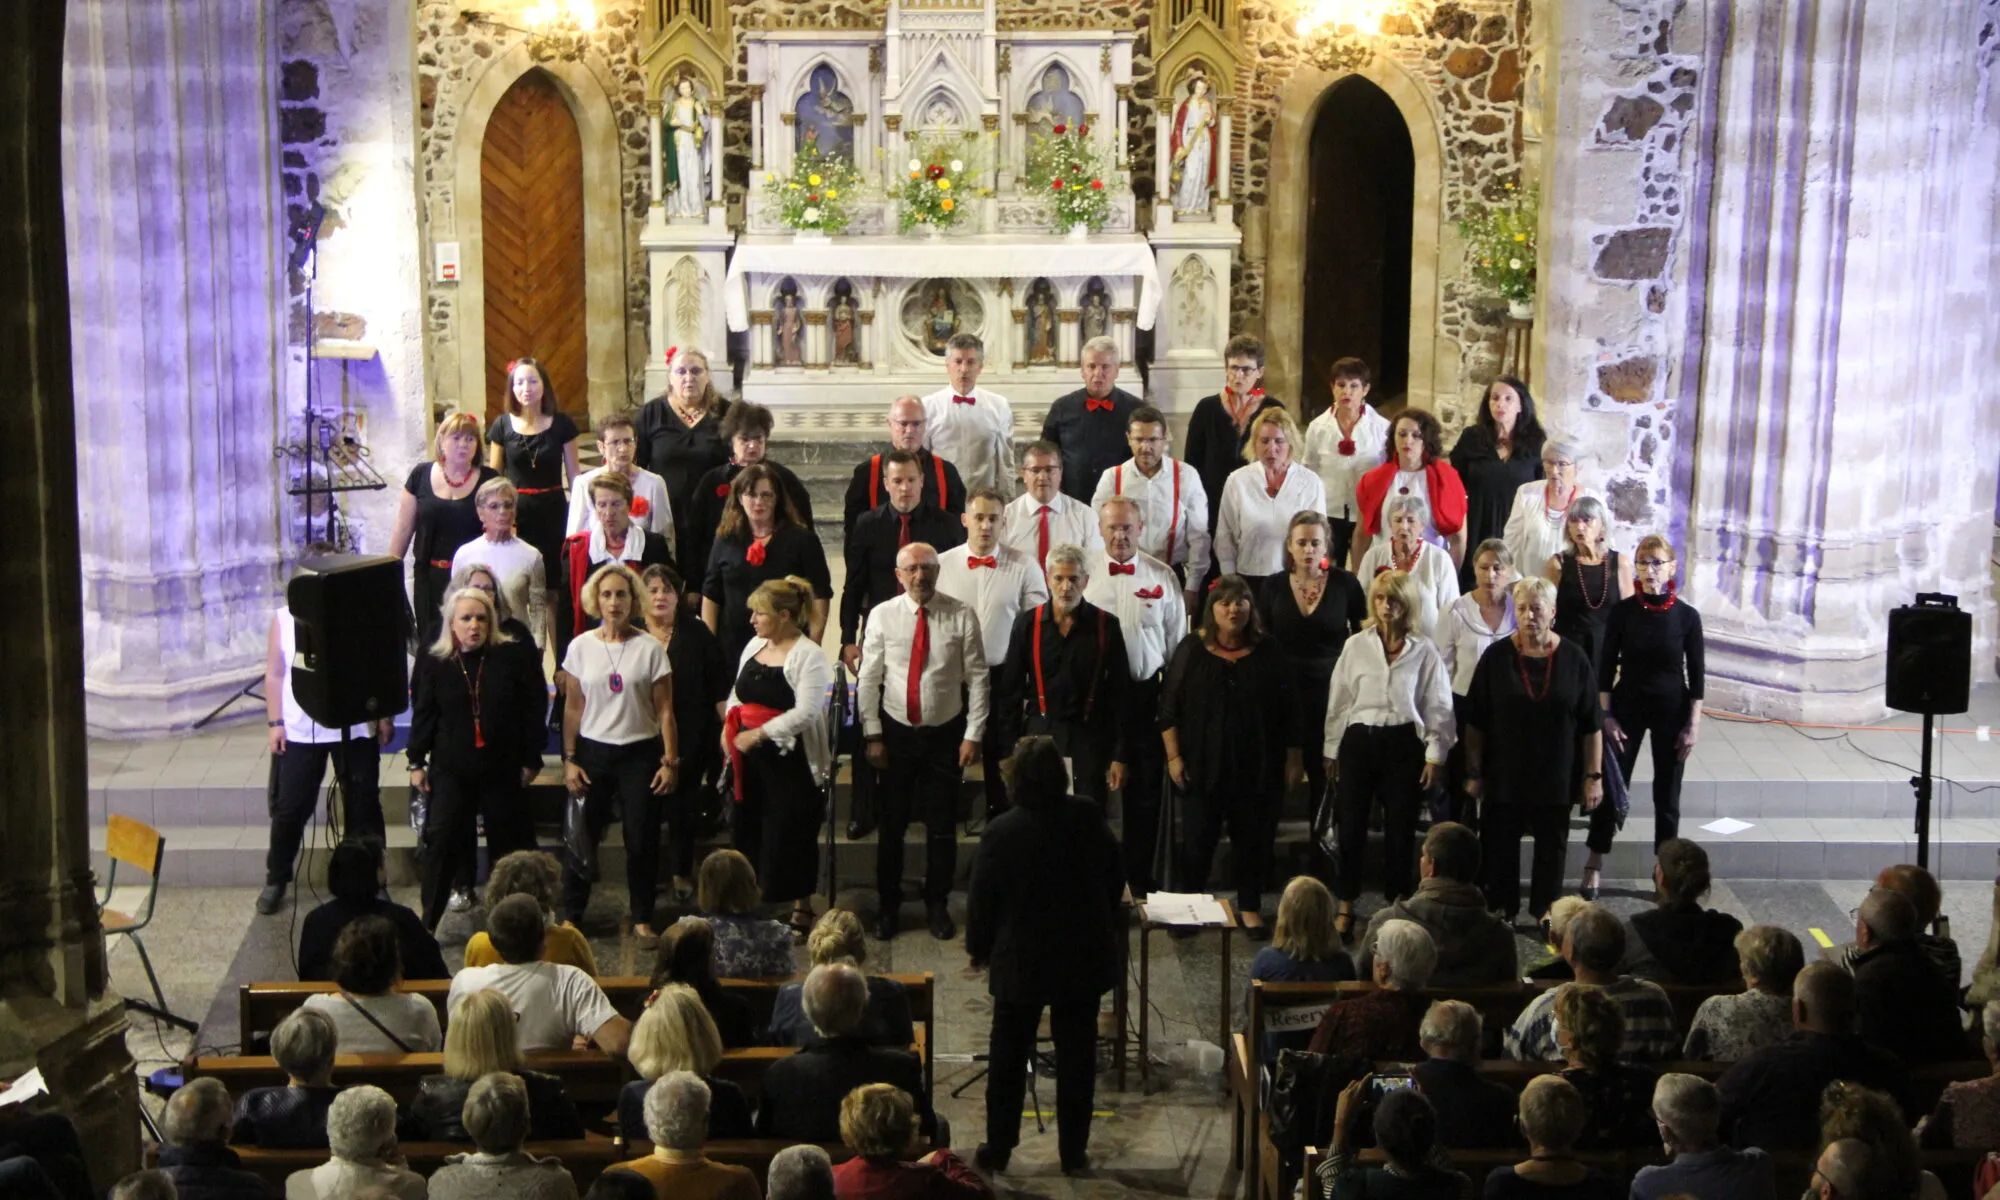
x=968, y=425
x=1043, y=516
x=1172, y=501
x=924, y=694
x=998, y=583
x=1261, y=498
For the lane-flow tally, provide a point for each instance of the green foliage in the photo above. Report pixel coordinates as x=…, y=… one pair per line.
x=819, y=193
x=1067, y=169
x=1500, y=242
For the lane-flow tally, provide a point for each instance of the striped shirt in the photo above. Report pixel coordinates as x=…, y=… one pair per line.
x=1650, y=1035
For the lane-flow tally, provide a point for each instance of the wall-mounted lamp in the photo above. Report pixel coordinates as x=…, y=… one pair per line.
x=555, y=29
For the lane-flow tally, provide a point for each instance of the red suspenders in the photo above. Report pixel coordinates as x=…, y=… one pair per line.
x=1097, y=670
x=937, y=464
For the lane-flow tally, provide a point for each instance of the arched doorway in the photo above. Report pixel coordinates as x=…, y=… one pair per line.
x=1361, y=182
x=531, y=184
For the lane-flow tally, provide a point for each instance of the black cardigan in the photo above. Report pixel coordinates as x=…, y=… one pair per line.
x=513, y=709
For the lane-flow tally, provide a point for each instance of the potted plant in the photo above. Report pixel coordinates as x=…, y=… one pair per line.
x=936, y=194
x=1067, y=168
x=815, y=199
x=1500, y=241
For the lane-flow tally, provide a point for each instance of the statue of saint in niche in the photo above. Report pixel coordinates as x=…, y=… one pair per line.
x=841, y=318
x=687, y=157
x=789, y=324
x=1193, y=149
x=826, y=116
x=1055, y=104
x=1094, y=320
x=1041, y=323
x=940, y=319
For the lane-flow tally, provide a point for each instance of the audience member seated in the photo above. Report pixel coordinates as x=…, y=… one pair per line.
x=496, y=1115
x=677, y=1125
x=1554, y=927
x=1382, y=1024
x=293, y=1117
x=481, y=1040
x=1967, y=1115
x=1771, y=1098
x=675, y=1033
x=801, y=1094
x=354, y=874
x=1594, y=945
x=620, y=1185
x=139, y=1185
x=1619, y=1096
x=1689, y=1113
x=1304, y=948
x=1906, y=1004
x=195, y=1149
x=799, y=1173
x=1846, y=1168
x=1679, y=941
x=556, y=1004
x=747, y=946
x=361, y=1132
x=1406, y=1131
x=1473, y=1113
x=1731, y=1027
x=533, y=873
x=686, y=954
x=41, y=1157
x=1921, y=888
x=368, y=1012
x=1474, y=947
x=1849, y=1112
x=879, y=1123
x=837, y=938
x=1552, y=1115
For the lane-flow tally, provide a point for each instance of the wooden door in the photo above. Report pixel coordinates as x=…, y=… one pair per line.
x=531, y=182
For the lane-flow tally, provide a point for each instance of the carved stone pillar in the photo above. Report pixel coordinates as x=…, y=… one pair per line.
x=756, y=91
x=655, y=157
x=56, y=1010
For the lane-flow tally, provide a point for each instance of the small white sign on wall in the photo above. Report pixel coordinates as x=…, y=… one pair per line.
x=447, y=262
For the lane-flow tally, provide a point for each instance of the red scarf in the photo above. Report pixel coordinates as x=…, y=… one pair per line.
x=1447, y=496
x=1242, y=411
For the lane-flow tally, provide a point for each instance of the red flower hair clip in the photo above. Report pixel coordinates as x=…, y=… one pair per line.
x=671, y=351
x=511, y=364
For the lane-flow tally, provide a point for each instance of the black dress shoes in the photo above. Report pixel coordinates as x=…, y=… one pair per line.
x=986, y=1158
x=271, y=899
x=943, y=928
x=886, y=925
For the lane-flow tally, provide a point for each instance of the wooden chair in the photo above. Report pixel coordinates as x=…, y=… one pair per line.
x=142, y=847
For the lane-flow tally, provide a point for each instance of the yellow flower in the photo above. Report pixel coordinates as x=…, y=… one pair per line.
x=944, y=185
x=946, y=204
x=768, y=177
x=813, y=179
x=793, y=186
x=913, y=174
x=833, y=193
x=1520, y=237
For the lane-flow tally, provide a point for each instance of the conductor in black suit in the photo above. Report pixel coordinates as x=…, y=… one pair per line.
x=1043, y=917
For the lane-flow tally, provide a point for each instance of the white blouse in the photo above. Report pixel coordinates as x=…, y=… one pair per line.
x=1250, y=532
x=622, y=713
x=1534, y=534
x=1338, y=472
x=1368, y=689
x=810, y=675
x=1432, y=575
x=1463, y=635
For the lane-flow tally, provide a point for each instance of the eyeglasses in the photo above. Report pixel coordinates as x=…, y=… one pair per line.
x=1651, y=563
x=1242, y=369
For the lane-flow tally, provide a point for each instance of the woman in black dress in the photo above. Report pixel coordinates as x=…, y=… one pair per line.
x=747, y=429
x=761, y=538
x=1310, y=620
x=1531, y=718
x=1651, y=679
x=701, y=684
x=1219, y=429
x=1230, y=720
x=437, y=516
x=478, y=721
x=1495, y=455
x=680, y=433
x=775, y=734
x=533, y=444
x=1590, y=579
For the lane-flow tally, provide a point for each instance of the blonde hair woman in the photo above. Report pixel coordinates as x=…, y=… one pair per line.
x=478, y=721
x=837, y=938
x=878, y=1121
x=676, y=1033
x=437, y=515
x=680, y=433
x=1260, y=498
x=618, y=736
x=479, y=1040
x=1305, y=948
x=1389, y=728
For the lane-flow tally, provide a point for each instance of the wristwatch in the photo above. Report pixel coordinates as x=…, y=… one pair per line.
x=1593, y=774
x=278, y=724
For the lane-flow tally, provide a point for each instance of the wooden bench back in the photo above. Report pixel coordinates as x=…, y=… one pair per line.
x=590, y=1077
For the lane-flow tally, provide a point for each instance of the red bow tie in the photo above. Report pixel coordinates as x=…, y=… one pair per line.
x=965, y=400
x=974, y=561
x=1130, y=568
x=1151, y=593
x=1090, y=405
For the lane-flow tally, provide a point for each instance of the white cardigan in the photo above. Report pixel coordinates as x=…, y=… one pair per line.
x=1530, y=535
x=809, y=674
x=1463, y=636
x=1432, y=576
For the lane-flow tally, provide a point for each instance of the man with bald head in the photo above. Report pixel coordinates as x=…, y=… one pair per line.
x=1771, y=1098
x=924, y=693
x=907, y=426
x=1906, y=1005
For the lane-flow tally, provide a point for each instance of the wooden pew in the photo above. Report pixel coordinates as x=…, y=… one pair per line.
x=591, y=1078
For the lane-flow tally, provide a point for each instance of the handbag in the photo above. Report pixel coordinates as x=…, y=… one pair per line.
x=1326, y=833
x=1616, y=794
x=577, y=839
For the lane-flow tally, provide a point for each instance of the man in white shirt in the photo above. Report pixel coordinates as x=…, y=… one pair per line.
x=997, y=583
x=1044, y=517
x=924, y=693
x=1145, y=596
x=651, y=510
x=1173, y=504
x=1339, y=458
x=554, y=1003
x=971, y=426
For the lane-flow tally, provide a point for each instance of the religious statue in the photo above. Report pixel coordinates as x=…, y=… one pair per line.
x=1095, y=319
x=1193, y=149
x=841, y=318
x=790, y=324
x=940, y=320
x=687, y=169
x=826, y=116
x=1055, y=104
x=1041, y=324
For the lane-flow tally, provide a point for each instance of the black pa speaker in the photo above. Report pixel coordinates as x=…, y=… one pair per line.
x=351, y=626
x=1930, y=656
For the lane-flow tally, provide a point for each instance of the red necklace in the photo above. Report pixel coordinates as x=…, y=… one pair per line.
x=455, y=484
x=1603, y=580
x=472, y=686
x=1548, y=673
x=1647, y=602
x=1403, y=564
x=617, y=549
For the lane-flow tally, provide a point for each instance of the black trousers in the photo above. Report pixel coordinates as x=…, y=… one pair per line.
x=1089, y=753
x=1500, y=835
x=1386, y=763
x=1073, y=1024
x=994, y=748
x=460, y=795
x=357, y=764
x=427, y=588
x=1145, y=782
x=777, y=826
x=621, y=776
x=920, y=783
x=1662, y=718
x=1340, y=540
x=1250, y=809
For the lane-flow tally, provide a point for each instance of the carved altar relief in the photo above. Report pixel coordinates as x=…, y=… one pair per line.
x=788, y=325
x=824, y=114
x=1191, y=292
x=935, y=309
x=685, y=290
x=843, y=324
x=1040, y=324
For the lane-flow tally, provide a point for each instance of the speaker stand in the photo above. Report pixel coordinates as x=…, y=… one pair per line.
x=247, y=692
x=1922, y=783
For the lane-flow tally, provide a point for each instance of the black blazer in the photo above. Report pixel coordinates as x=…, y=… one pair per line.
x=1043, y=908
x=801, y=1095
x=1473, y=1112
x=513, y=709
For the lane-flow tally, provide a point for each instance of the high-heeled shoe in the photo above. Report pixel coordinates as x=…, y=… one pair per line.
x=1343, y=926
x=1589, y=890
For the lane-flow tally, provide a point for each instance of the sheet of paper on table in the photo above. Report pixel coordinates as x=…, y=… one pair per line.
x=1184, y=908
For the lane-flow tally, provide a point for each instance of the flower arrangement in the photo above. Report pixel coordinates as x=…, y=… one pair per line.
x=939, y=187
x=1500, y=240
x=817, y=195
x=1067, y=168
